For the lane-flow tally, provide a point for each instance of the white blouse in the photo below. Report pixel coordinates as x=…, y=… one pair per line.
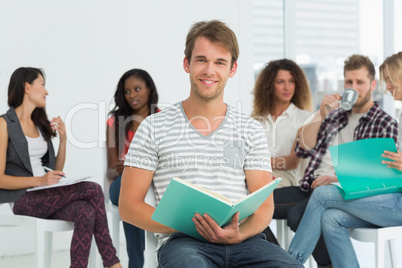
x=281, y=135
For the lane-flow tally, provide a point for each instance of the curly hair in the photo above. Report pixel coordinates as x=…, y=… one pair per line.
x=264, y=90
x=393, y=66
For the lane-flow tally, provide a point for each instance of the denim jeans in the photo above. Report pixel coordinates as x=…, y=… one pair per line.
x=135, y=237
x=290, y=203
x=328, y=213
x=184, y=251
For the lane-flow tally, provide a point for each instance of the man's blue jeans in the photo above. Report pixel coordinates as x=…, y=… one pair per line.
x=135, y=237
x=184, y=251
x=329, y=213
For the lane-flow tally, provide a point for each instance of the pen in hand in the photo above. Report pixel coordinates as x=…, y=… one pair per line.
x=49, y=169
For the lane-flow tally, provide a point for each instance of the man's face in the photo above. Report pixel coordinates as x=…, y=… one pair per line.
x=209, y=69
x=359, y=80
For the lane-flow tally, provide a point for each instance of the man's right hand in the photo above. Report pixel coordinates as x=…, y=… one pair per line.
x=309, y=132
x=51, y=177
x=328, y=104
x=323, y=180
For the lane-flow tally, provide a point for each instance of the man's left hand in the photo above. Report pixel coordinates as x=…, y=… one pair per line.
x=212, y=232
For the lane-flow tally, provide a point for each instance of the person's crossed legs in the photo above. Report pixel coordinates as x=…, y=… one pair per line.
x=290, y=204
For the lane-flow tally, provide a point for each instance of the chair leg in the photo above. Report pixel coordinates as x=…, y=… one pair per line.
x=149, y=253
x=48, y=249
x=280, y=232
x=40, y=247
x=379, y=253
x=392, y=253
x=288, y=235
x=92, y=255
x=284, y=234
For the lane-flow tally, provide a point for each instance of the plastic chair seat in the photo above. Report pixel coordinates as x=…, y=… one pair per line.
x=44, y=229
x=379, y=236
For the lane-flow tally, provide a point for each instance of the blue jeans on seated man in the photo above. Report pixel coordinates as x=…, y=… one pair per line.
x=328, y=213
x=184, y=251
x=135, y=237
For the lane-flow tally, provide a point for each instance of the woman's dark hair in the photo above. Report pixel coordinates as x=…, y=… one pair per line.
x=16, y=92
x=122, y=111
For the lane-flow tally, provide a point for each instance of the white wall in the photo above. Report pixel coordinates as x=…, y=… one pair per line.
x=85, y=46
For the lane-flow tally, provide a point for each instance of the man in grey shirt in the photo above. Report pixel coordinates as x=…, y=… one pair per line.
x=207, y=142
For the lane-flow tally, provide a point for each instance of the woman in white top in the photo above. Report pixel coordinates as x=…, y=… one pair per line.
x=26, y=151
x=282, y=103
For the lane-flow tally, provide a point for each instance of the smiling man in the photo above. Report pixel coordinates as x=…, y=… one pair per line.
x=206, y=142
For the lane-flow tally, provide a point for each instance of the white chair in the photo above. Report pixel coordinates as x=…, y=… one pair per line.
x=150, y=239
x=115, y=216
x=379, y=236
x=284, y=234
x=112, y=209
x=44, y=229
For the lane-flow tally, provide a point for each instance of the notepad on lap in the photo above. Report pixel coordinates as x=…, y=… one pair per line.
x=182, y=200
x=360, y=171
x=62, y=182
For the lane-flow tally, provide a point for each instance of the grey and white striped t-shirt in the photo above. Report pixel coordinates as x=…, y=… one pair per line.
x=169, y=145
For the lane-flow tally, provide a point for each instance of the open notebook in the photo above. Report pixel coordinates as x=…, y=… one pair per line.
x=62, y=182
x=183, y=199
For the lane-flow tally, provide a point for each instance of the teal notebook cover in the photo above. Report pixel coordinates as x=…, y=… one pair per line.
x=360, y=171
x=182, y=200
